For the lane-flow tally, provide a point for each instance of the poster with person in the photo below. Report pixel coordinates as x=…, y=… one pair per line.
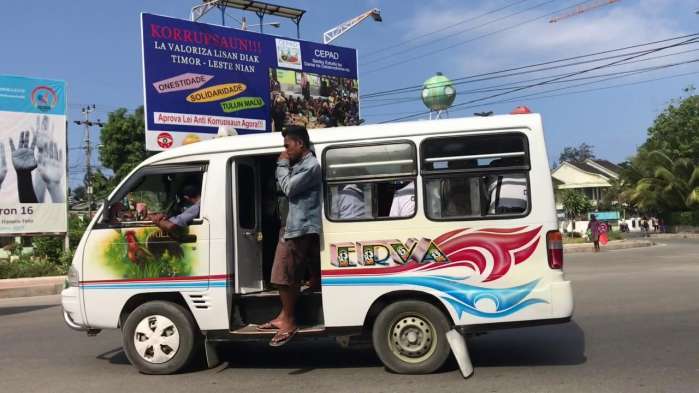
x=200, y=77
x=32, y=156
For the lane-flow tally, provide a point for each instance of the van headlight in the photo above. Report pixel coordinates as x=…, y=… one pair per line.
x=73, y=278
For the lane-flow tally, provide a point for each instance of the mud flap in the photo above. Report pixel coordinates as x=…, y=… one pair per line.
x=212, y=359
x=457, y=342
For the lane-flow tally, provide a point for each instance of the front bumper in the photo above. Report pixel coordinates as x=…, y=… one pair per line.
x=72, y=315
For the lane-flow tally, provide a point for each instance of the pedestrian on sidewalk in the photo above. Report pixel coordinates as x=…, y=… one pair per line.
x=594, y=227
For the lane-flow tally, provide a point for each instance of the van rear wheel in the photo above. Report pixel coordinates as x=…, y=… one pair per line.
x=160, y=337
x=410, y=337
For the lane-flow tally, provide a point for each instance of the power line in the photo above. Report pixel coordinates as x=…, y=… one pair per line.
x=421, y=55
x=418, y=37
x=553, y=79
x=538, y=96
x=549, y=62
x=504, y=86
x=515, y=99
x=458, y=32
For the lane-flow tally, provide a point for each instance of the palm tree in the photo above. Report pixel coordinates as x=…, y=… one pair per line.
x=667, y=184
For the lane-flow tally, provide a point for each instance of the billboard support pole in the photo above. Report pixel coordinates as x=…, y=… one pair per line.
x=261, y=16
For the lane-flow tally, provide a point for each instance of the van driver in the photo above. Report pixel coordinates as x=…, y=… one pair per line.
x=192, y=196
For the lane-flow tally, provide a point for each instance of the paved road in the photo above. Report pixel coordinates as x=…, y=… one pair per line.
x=635, y=329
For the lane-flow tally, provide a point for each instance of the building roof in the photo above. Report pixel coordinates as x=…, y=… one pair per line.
x=603, y=168
x=589, y=168
x=608, y=165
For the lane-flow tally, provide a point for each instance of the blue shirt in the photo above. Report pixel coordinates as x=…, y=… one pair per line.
x=301, y=184
x=186, y=217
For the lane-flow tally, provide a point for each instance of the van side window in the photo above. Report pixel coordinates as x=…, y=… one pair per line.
x=159, y=192
x=370, y=182
x=475, y=177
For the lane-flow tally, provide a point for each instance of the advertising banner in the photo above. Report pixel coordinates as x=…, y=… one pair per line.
x=199, y=77
x=32, y=156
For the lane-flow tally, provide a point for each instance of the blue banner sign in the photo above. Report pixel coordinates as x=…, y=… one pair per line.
x=200, y=77
x=32, y=95
x=606, y=216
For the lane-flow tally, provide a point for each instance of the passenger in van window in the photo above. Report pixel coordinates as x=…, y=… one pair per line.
x=191, y=195
x=350, y=202
x=458, y=202
x=299, y=178
x=403, y=204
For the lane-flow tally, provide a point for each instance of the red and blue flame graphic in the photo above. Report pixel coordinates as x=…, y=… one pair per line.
x=489, y=253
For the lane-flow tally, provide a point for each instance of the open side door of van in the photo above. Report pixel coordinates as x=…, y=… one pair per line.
x=247, y=224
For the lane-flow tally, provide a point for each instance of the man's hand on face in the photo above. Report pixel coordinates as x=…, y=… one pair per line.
x=283, y=156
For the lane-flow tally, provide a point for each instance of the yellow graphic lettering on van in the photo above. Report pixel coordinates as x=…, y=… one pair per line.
x=383, y=252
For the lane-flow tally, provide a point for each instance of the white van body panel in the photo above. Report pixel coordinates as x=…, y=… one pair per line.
x=527, y=289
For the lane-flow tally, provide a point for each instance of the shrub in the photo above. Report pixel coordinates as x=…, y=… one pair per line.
x=49, y=247
x=614, y=235
x=27, y=266
x=684, y=218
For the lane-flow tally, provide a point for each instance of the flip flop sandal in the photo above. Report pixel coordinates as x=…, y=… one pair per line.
x=310, y=290
x=267, y=326
x=282, y=338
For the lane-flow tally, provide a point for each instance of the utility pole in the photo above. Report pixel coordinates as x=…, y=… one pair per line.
x=88, y=152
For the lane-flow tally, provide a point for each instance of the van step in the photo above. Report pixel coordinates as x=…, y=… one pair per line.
x=251, y=330
x=262, y=307
x=275, y=293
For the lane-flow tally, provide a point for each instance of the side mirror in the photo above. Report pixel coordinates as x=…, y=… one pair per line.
x=105, y=211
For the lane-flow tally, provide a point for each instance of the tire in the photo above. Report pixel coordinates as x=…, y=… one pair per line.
x=165, y=353
x=409, y=337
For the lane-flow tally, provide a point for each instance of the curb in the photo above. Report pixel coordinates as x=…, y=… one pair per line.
x=612, y=245
x=26, y=287
x=664, y=236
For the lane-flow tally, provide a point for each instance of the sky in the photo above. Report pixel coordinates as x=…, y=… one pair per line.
x=95, y=47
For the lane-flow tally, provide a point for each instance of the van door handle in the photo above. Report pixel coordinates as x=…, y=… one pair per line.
x=255, y=234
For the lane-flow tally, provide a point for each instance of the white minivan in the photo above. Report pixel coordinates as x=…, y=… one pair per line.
x=452, y=226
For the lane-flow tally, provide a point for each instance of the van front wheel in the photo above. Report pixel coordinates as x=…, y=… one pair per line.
x=410, y=337
x=160, y=337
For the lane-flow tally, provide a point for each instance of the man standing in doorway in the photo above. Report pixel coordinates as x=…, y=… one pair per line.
x=299, y=178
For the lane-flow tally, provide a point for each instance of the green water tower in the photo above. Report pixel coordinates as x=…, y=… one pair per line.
x=438, y=93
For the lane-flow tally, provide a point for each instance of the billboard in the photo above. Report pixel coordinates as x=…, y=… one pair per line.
x=198, y=77
x=32, y=156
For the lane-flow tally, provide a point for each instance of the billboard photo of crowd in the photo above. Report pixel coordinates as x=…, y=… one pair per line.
x=315, y=101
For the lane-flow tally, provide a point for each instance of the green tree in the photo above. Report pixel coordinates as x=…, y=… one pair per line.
x=123, y=142
x=675, y=131
x=667, y=185
x=575, y=203
x=663, y=176
x=577, y=154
